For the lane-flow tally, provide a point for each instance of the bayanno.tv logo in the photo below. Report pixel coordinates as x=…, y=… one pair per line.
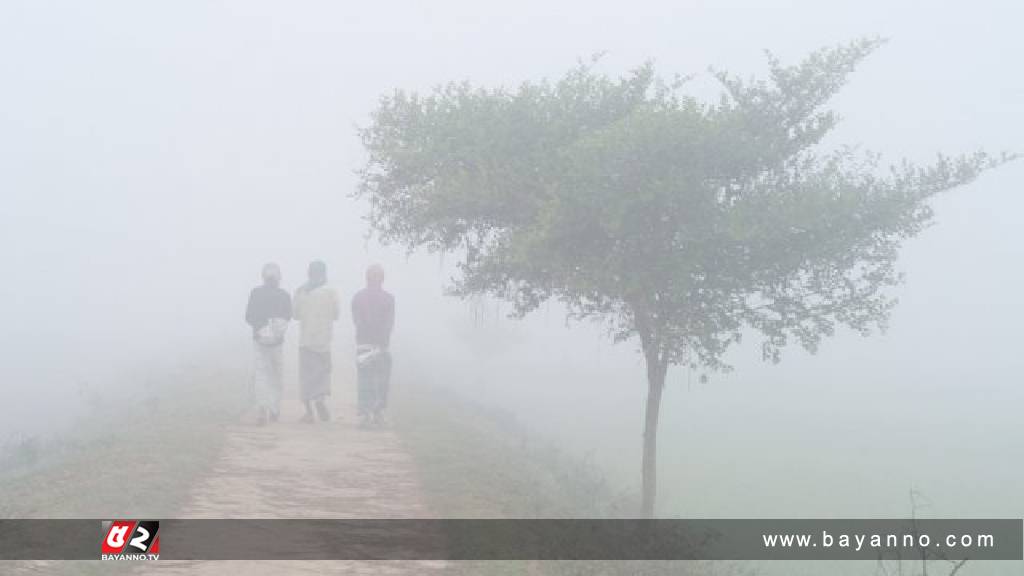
x=130, y=540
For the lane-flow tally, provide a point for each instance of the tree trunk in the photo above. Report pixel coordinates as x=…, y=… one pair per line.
x=656, y=368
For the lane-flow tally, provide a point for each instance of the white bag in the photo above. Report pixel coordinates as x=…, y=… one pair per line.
x=366, y=354
x=272, y=334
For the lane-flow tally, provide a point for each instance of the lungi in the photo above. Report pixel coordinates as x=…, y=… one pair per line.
x=314, y=374
x=268, y=376
x=373, y=381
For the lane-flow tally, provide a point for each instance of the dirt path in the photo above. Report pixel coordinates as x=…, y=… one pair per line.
x=295, y=470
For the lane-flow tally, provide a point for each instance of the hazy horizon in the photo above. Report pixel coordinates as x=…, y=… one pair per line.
x=154, y=155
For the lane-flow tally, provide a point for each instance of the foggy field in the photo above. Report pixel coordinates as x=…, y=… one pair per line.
x=494, y=159
x=140, y=456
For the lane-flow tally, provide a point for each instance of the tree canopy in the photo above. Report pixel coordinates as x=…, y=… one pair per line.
x=676, y=220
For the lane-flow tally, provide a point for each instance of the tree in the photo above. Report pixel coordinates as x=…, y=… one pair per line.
x=680, y=223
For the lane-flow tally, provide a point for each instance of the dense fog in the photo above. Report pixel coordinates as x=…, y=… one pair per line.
x=154, y=155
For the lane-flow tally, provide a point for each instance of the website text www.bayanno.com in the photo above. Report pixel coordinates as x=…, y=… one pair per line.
x=850, y=539
x=859, y=542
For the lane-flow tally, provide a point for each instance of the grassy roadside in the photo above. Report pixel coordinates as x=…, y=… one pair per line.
x=479, y=463
x=475, y=462
x=135, y=456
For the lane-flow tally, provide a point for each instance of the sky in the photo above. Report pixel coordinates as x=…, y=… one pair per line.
x=150, y=148
x=154, y=155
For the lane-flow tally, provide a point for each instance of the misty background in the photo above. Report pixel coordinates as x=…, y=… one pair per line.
x=154, y=155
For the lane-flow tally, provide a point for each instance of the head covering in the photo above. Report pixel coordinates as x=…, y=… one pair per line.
x=317, y=274
x=271, y=273
x=375, y=275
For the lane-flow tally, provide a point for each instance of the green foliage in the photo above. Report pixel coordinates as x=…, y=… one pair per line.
x=675, y=220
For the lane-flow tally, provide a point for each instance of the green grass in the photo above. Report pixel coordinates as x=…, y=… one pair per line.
x=475, y=462
x=136, y=455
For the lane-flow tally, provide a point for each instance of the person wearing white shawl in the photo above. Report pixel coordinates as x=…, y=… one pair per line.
x=316, y=309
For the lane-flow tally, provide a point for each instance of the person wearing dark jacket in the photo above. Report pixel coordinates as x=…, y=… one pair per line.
x=373, y=312
x=268, y=313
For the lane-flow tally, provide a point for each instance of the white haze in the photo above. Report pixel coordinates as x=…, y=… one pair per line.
x=154, y=155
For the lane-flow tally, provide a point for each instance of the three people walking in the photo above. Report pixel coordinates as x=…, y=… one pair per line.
x=315, y=307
